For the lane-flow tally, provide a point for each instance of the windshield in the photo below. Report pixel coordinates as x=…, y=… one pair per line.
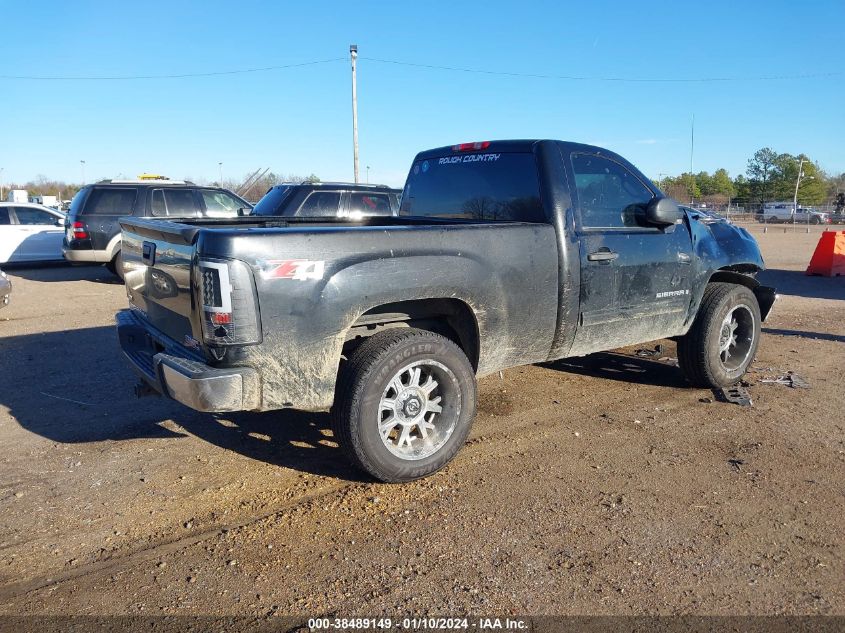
x=271, y=203
x=483, y=186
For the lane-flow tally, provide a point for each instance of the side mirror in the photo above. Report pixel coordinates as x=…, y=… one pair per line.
x=663, y=212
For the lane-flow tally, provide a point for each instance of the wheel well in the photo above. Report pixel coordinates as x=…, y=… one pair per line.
x=451, y=318
x=739, y=275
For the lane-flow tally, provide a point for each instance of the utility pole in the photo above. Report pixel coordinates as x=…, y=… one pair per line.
x=353, y=52
x=691, y=154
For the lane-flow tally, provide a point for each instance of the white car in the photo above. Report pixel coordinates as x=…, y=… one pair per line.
x=30, y=233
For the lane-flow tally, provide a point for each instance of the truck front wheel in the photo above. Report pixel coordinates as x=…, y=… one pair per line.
x=405, y=403
x=722, y=342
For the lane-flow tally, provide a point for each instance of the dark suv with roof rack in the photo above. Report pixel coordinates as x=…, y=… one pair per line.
x=329, y=199
x=93, y=232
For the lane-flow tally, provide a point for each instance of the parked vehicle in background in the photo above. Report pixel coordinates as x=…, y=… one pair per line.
x=93, y=232
x=47, y=201
x=783, y=212
x=5, y=289
x=504, y=253
x=329, y=199
x=17, y=195
x=837, y=218
x=30, y=233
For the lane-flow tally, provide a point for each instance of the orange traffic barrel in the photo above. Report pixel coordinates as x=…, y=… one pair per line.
x=829, y=258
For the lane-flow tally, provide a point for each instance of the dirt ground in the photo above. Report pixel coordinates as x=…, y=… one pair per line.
x=600, y=485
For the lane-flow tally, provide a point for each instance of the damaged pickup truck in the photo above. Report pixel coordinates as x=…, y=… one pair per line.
x=504, y=253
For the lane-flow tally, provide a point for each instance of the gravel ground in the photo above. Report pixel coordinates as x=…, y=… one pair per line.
x=600, y=485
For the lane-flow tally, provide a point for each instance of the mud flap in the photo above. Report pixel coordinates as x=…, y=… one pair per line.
x=766, y=297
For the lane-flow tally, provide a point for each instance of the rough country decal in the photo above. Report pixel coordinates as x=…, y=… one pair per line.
x=299, y=269
x=672, y=293
x=469, y=158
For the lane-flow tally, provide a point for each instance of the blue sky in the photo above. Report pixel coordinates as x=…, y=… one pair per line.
x=298, y=120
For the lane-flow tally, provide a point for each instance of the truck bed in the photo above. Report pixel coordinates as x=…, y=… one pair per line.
x=308, y=281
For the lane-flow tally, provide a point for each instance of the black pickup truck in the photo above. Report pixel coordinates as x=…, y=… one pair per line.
x=503, y=253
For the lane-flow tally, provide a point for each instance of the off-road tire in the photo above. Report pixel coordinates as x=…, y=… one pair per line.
x=698, y=349
x=361, y=384
x=115, y=266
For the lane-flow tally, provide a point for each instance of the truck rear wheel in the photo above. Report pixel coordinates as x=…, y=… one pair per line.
x=405, y=403
x=722, y=342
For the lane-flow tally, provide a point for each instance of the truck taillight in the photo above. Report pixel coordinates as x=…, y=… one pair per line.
x=79, y=232
x=229, y=304
x=469, y=147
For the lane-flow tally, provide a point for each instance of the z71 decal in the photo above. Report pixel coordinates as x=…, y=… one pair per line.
x=299, y=269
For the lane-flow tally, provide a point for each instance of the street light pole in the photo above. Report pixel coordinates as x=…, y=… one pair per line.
x=797, y=183
x=795, y=197
x=220, y=167
x=1, y=183
x=353, y=52
x=368, y=174
x=82, y=162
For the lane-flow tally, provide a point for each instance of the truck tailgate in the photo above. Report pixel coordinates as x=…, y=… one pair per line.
x=157, y=271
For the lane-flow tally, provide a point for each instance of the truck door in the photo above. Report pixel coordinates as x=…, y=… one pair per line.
x=635, y=278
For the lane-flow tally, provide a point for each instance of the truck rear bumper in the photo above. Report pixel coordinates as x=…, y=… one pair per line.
x=163, y=364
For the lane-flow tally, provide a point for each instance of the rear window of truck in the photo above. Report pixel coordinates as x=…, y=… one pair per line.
x=478, y=186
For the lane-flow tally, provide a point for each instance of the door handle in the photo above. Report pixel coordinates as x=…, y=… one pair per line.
x=684, y=258
x=602, y=255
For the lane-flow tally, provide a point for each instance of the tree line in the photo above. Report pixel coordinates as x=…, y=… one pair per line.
x=769, y=176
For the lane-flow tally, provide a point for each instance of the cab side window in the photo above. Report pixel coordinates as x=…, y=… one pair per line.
x=4, y=216
x=609, y=196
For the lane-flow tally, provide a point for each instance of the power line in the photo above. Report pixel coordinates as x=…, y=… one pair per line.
x=600, y=78
x=480, y=71
x=179, y=76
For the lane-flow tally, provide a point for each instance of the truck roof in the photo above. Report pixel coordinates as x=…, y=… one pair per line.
x=511, y=145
